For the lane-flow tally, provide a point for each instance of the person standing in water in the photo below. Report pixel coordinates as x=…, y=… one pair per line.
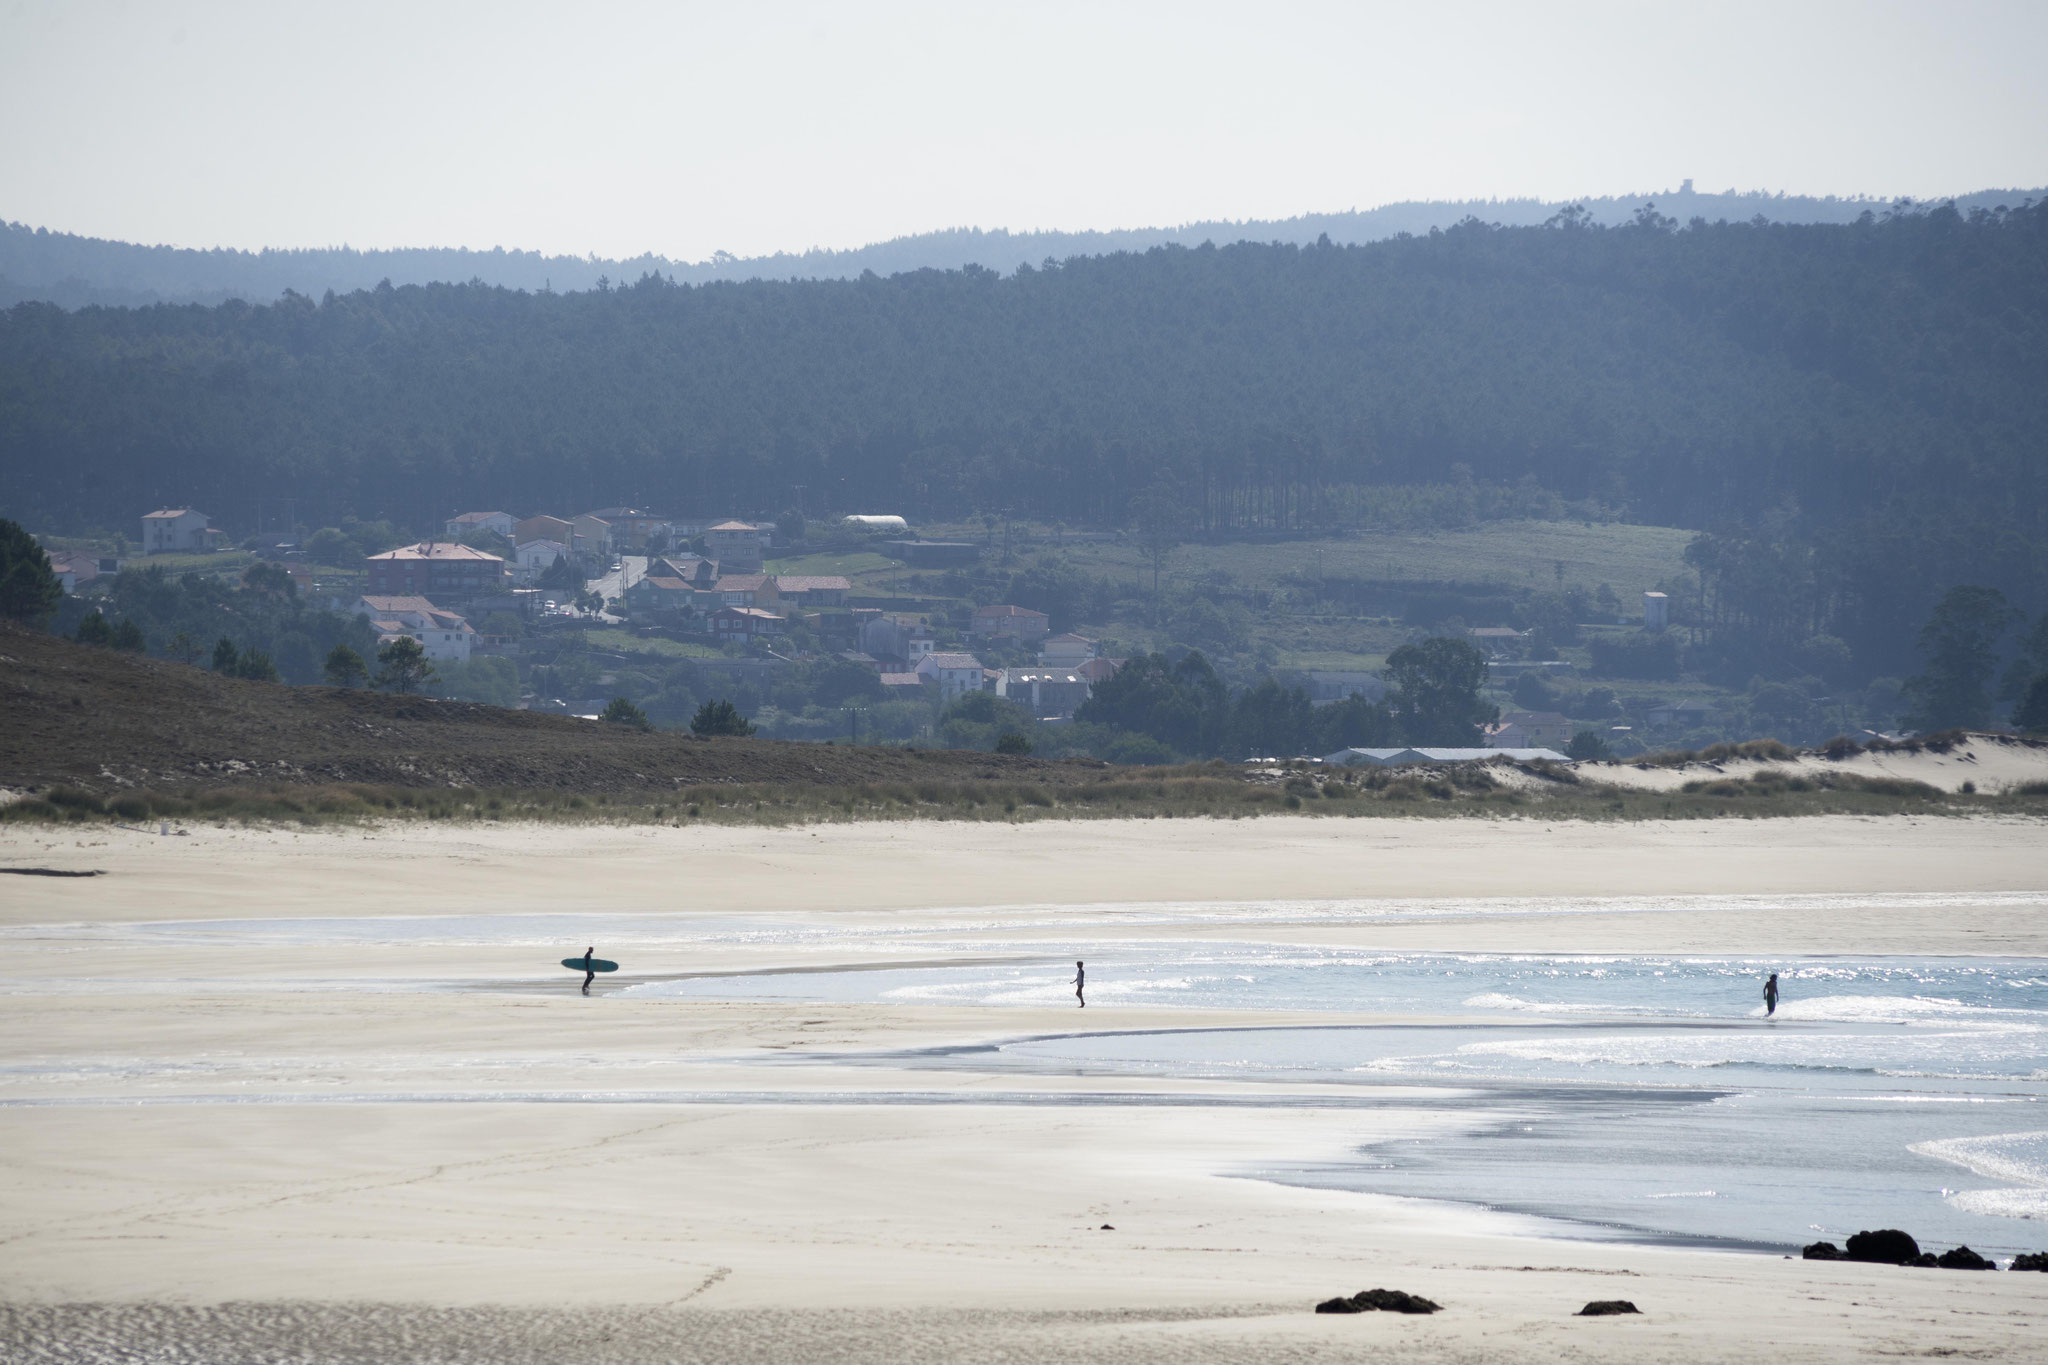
x=1771, y=996
x=589, y=970
x=1080, y=984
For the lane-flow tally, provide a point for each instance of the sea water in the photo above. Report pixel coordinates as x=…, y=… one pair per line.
x=1636, y=1096
x=1633, y=1095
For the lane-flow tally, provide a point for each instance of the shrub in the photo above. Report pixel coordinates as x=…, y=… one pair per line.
x=720, y=717
x=623, y=712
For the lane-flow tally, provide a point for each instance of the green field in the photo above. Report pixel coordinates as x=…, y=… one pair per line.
x=850, y=563
x=625, y=642
x=1506, y=554
x=226, y=561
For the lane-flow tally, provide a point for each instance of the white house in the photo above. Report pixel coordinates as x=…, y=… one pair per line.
x=536, y=557
x=956, y=674
x=174, y=530
x=471, y=522
x=1066, y=651
x=1530, y=730
x=1656, y=611
x=442, y=634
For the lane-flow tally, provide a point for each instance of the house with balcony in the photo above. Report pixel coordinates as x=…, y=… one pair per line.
x=737, y=545
x=435, y=568
x=813, y=590
x=744, y=623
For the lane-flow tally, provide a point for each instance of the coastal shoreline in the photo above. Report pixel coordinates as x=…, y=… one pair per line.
x=736, y=1228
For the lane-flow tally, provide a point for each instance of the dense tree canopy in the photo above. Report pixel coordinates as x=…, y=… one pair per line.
x=1691, y=376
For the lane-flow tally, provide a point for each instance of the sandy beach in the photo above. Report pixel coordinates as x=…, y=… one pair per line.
x=236, y=1131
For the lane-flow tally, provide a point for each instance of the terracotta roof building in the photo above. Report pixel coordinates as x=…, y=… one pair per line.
x=436, y=567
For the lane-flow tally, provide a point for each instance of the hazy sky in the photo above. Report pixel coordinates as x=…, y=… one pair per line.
x=684, y=129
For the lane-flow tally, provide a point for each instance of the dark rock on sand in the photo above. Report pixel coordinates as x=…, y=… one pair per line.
x=2032, y=1260
x=1607, y=1308
x=1380, y=1300
x=1888, y=1246
x=1962, y=1258
x=1924, y=1261
x=1822, y=1251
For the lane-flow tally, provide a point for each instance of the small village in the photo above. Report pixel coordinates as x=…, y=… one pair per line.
x=552, y=595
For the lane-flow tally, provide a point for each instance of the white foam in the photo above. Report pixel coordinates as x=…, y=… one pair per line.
x=1495, y=1000
x=1899, y=1009
x=2020, y=1158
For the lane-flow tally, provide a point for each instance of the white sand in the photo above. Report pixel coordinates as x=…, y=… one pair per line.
x=1989, y=763
x=804, y=1226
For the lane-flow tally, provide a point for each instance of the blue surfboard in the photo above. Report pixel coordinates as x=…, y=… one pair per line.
x=593, y=964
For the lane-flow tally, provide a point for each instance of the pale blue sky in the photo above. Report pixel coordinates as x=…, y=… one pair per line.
x=683, y=129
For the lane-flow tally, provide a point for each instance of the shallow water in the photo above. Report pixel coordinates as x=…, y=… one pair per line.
x=1637, y=1095
x=1643, y=1096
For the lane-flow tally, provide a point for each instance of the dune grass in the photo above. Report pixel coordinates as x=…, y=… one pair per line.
x=1195, y=791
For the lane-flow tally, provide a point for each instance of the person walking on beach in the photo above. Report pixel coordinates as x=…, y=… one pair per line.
x=1771, y=996
x=589, y=970
x=1080, y=984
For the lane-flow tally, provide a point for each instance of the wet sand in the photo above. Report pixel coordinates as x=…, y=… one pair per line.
x=198, y=1162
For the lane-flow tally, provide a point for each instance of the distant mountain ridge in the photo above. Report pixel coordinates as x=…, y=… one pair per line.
x=74, y=271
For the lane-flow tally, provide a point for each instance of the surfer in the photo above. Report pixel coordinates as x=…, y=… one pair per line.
x=590, y=969
x=1771, y=996
x=1080, y=984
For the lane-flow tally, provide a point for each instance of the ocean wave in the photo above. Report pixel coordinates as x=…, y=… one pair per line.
x=1496, y=1000
x=2006, y=1203
x=2021, y=1158
x=1903, y=1009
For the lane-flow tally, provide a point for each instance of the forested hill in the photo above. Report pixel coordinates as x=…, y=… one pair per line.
x=1876, y=386
x=59, y=267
